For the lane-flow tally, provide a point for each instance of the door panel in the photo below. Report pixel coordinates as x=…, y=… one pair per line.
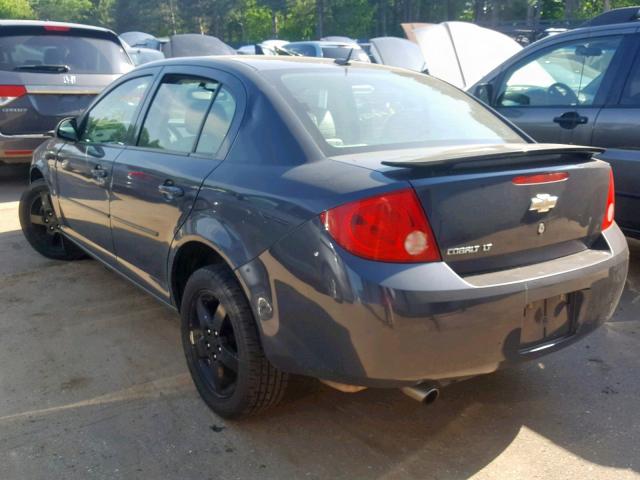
x=152, y=194
x=181, y=140
x=555, y=94
x=84, y=172
x=84, y=167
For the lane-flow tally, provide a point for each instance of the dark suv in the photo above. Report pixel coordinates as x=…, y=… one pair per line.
x=50, y=71
x=581, y=87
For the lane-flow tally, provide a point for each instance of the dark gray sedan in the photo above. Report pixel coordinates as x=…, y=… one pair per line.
x=364, y=225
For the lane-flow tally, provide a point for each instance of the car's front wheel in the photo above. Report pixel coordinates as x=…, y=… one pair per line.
x=40, y=224
x=222, y=347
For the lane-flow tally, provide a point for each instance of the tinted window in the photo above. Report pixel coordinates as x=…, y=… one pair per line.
x=217, y=124
x=110, y=121
x=631, y=94
x=362, y=109
x=80, y=54
x=567, y=75
x=306, y=50
x=176, y=113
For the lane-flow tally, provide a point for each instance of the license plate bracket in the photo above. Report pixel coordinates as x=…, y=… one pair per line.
x=548, y=319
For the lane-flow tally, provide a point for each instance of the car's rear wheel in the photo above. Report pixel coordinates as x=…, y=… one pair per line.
x=40, y=224
x=222, y=347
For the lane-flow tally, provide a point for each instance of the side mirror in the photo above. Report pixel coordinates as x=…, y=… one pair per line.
x=67, y=129
x=484, y=93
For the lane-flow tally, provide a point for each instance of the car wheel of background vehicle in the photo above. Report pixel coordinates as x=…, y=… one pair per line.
x=222, y=347
x=40, y=224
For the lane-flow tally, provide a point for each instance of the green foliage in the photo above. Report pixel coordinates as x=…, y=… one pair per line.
x=15, y=9
x=63, y=10
x=250, y=21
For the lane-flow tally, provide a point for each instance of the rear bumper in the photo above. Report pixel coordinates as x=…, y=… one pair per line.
x=19, y=148
x=346, y=319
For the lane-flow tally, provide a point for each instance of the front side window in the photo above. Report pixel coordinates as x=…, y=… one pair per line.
x=111, y=120
x=362, y=109
x=177, y=113
x=569, y=75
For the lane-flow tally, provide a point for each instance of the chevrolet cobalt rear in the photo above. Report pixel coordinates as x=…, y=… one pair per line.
x=363, y=225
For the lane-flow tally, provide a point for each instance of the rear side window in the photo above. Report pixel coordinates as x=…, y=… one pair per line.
x=110, y=121
x=79, y=54
x=217, y=124
x=360, y=109
x=631, y=93
x=177, y=113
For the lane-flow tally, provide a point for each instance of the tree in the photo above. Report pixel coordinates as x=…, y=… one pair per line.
x=63, y=10
x=15, y=9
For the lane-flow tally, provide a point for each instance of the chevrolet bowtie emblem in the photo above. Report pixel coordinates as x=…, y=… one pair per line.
x=543, y=202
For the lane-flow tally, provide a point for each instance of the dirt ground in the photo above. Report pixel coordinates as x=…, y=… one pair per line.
x=93, y=385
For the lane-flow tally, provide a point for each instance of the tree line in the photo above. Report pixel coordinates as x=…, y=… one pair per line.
x=250, y=21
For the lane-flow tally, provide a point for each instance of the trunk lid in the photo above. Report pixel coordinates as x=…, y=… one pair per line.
x=483, y=220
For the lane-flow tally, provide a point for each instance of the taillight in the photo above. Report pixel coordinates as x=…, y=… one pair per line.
x=610, y=211
x=541, y=178
x=8, y=93
x=391, y=227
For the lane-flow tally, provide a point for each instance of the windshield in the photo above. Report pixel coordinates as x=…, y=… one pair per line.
x=80, y=54
x=359, y=109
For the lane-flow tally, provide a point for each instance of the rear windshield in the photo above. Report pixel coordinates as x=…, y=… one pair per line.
x=353, y=109
x=80, y=54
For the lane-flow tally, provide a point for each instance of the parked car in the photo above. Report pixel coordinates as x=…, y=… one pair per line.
x=141, y=55
x=461, y=53
x=581, y=87
x=50, y=71
x=195, y=45
x=339, y=50
x=141, y=40
x=397, y=52
x=365, y=225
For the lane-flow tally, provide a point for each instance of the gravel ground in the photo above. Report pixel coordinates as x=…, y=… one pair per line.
x=93, y=385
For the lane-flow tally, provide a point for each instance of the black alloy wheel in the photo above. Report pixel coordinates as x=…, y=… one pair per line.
x=222, y=346
x=40, y=224
x=214, y=343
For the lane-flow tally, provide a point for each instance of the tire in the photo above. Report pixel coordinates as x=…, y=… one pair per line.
x=217, y=323
x=45, y=238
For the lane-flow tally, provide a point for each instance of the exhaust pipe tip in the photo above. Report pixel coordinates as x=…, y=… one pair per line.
x=426, y=394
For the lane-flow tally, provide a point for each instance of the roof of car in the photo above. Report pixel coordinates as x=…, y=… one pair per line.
x=41, y=23
x=261, y=62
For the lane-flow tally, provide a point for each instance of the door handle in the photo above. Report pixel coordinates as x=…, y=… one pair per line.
x=571, y=120
x=170, y=191
x=98, y=172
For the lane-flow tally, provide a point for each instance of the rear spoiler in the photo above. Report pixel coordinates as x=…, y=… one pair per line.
x=507, y=151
